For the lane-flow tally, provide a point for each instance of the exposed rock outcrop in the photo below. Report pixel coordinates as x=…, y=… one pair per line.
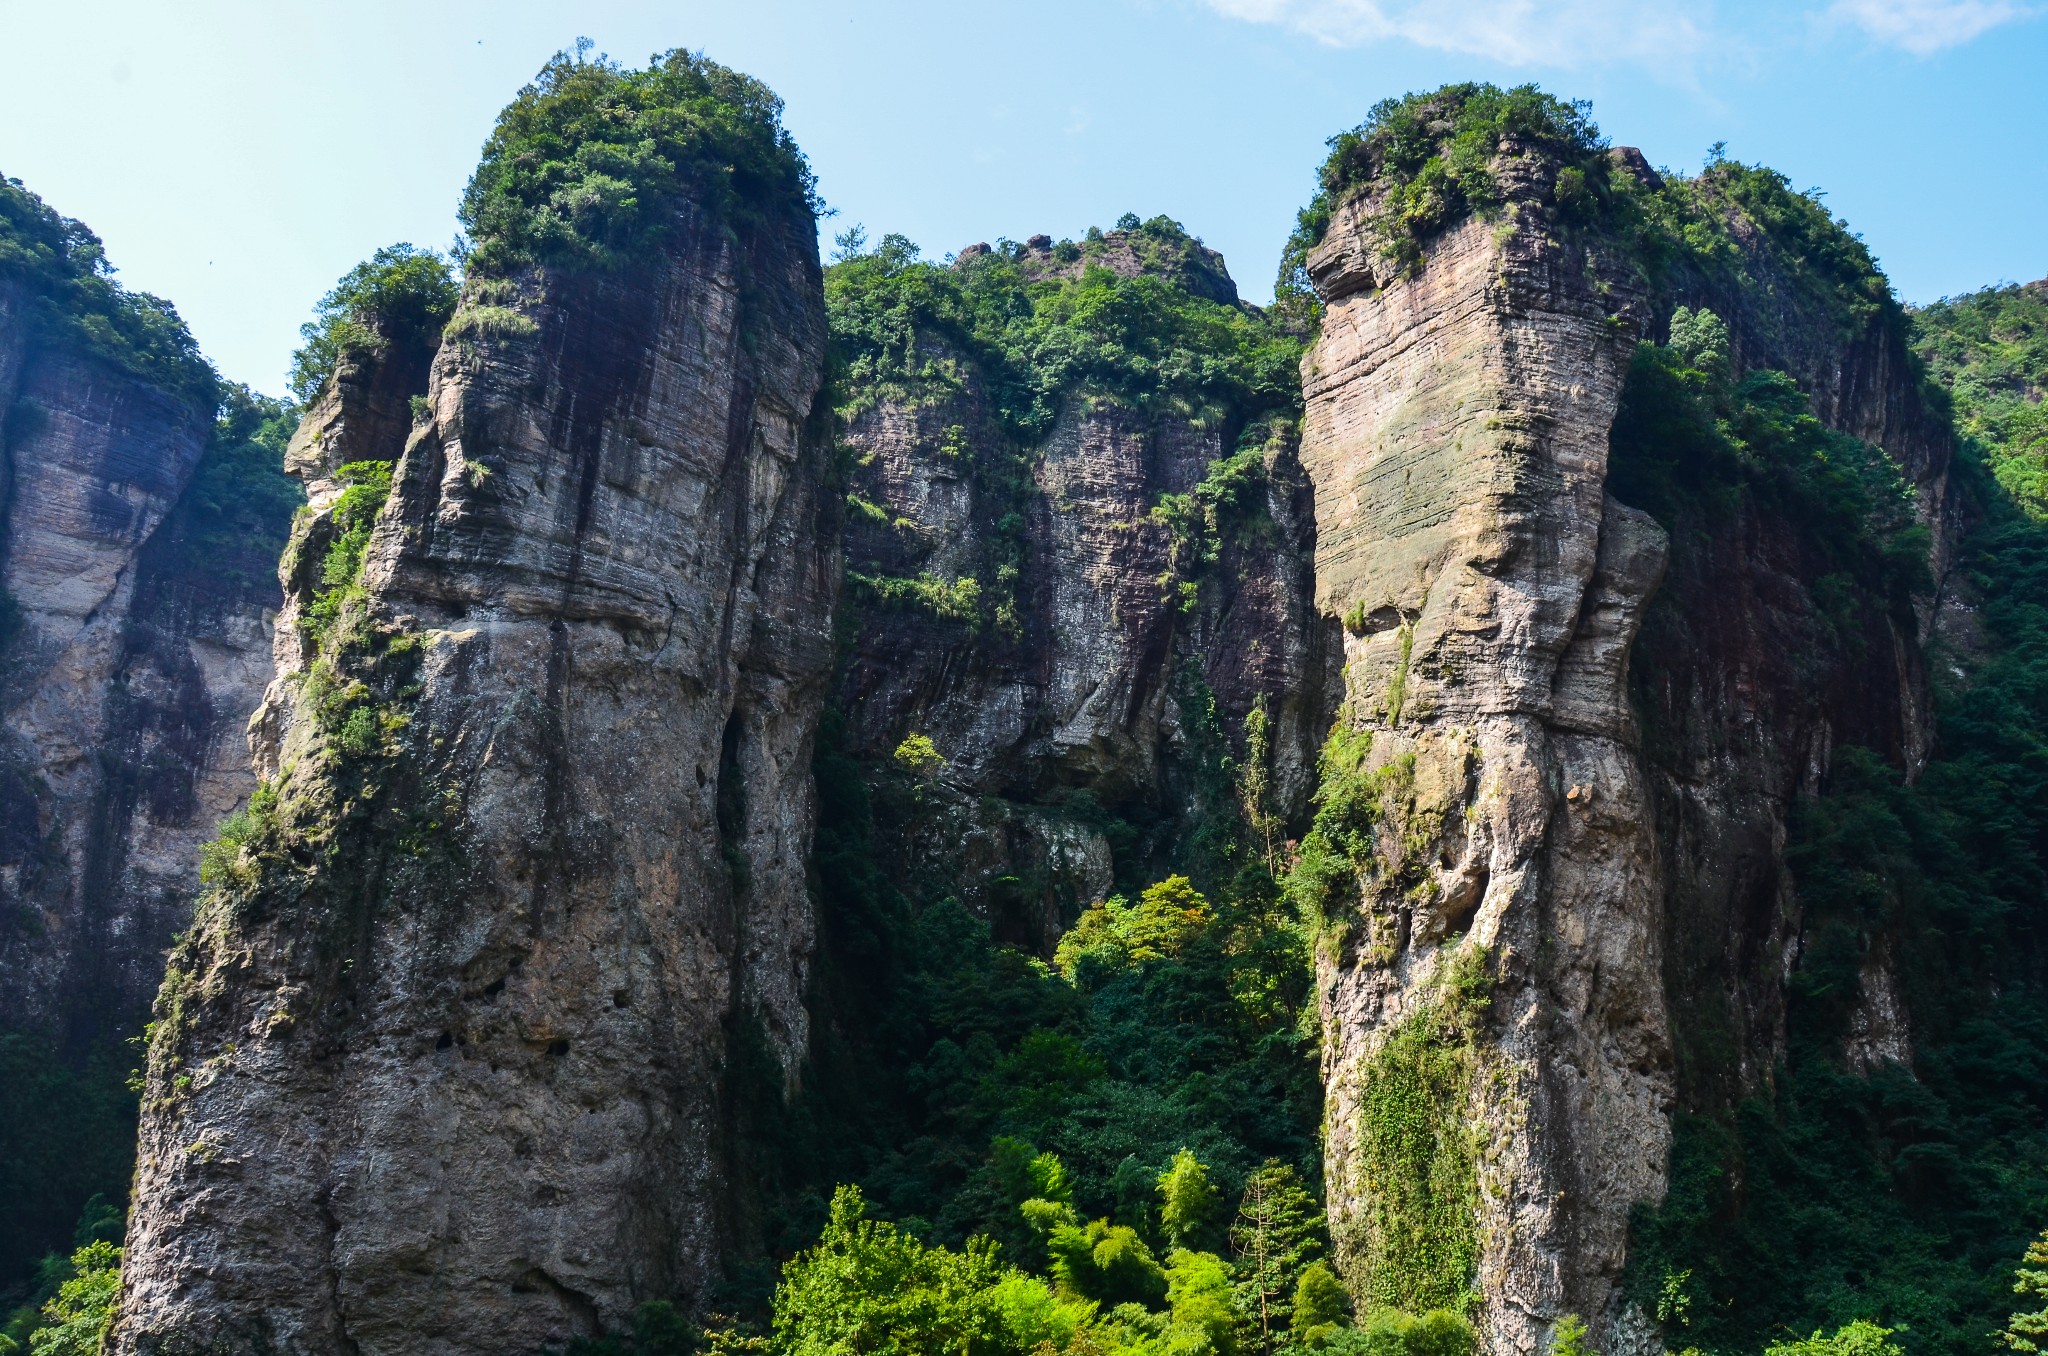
x=440, y=1069
x=137, y=643
x=1081, y=663
x=1560, y=900
x=1456, y=433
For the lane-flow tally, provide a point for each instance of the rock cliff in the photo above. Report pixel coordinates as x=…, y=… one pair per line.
x=1565, y=914
x=139, y=533
x=1078, y=607
x=439, y=1065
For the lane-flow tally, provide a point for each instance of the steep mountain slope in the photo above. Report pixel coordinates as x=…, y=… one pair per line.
x=143, y=513
x=439, y=1063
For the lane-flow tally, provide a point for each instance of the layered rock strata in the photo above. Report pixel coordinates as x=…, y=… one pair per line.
x=440, y=1068
x=1558, y=905
x=1090, y=668
x=1456, y=432
x=134, y=653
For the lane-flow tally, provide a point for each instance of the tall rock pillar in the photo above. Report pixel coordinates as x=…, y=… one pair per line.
x=439, y=1065
x=1496, y=1047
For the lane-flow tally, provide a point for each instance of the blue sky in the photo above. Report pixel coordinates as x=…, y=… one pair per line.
x=238, y=157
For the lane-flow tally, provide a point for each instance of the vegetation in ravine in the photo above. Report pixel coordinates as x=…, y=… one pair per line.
x=1903, y=1194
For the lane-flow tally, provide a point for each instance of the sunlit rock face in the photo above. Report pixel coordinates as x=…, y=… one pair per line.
x=444, y=1070
x=1585, y=739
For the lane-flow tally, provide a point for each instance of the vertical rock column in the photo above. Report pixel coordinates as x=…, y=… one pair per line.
x=1496, y=1048
x=439, y=1066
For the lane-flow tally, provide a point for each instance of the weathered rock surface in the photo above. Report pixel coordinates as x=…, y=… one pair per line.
x=1097, y=677
x=1629, y=896
x=132, y=663
x=446, y=1076
x=1456, y=433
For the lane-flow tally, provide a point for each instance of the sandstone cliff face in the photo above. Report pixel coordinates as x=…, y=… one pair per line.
x=1090, y=669
x=1456, y=434
x=441, y=1070
x=134, y=655
x=1579, y=908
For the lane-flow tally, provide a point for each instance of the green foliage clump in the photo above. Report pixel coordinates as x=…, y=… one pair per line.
x=71, y=292
x=1369, y=834
x=1568, y=1337
x=1417, y=1157
x=1428, y=160
x=353, y=516
x=75, y=1320
x=918, y=756
x=902, y=328
x=948, y=600
x=593, y=164
x=1389, y=1332
x=1989, y=350
x=1188, y=1201
x=2026, y=1330
x=1116, y=935
x=400, y=295
x=868, y=1286
x=1860, y=1338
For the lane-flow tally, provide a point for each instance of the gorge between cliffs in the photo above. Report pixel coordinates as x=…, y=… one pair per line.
x=678, y=796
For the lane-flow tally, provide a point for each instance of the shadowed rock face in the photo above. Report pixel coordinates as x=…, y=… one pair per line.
x=1100, y=676
x=1493, y=588
x=444, y=1073
x=130, y=670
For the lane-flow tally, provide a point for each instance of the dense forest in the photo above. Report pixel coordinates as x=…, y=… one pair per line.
x=1109, y=1139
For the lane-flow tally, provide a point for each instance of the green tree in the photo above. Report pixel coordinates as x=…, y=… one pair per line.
x=1187, y=1199
x=2027, y=1331
x=75, y=1320
x=1319, y=1305
x=1107, y=1263
x=1277, y=1238
x=400, y=294
x=869, y=1287
x=1861, y=1338
x=1568, y=1337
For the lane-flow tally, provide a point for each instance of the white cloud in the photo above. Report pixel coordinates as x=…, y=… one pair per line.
x=1923, y=27
x=1536, y=32
x=1574, y=33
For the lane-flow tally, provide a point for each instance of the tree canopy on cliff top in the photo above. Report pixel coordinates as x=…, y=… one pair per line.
x=591, y=163
x=71, y=291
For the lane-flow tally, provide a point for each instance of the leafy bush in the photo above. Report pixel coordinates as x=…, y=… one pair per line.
x=592, y=164
x=71, y=292
x=367, y=484
x=401, y=294
x=76, y=1319
x=1428, y=160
